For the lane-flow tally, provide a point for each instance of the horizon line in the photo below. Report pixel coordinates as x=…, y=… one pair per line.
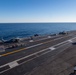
x=38, y=22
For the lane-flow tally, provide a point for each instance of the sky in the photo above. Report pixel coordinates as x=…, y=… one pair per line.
x=12, y=11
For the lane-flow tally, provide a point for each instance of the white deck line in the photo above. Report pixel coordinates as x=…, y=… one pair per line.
x=52, y=48
x=34, y=46
x=13, y=64
x=70, y=41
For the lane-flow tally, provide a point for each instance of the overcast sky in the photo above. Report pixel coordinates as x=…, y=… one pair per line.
x=37, y=11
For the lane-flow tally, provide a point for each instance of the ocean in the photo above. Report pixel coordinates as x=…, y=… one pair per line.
x=12, y=30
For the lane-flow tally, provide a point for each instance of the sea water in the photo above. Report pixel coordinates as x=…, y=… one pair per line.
x=12, y=30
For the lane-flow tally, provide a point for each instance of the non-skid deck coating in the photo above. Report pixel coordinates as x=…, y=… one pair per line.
x=51, y=56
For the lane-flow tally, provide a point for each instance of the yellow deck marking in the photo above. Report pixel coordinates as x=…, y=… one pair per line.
x=13, y=52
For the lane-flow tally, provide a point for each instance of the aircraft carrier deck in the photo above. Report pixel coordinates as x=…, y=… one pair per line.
x=47, y=55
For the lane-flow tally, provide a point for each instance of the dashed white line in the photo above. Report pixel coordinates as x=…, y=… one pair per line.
x=34, y=45
x=52, y=48
x=13, y=64
x=70, y=41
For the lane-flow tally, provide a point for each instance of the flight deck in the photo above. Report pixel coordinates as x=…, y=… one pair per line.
x=39, y=55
